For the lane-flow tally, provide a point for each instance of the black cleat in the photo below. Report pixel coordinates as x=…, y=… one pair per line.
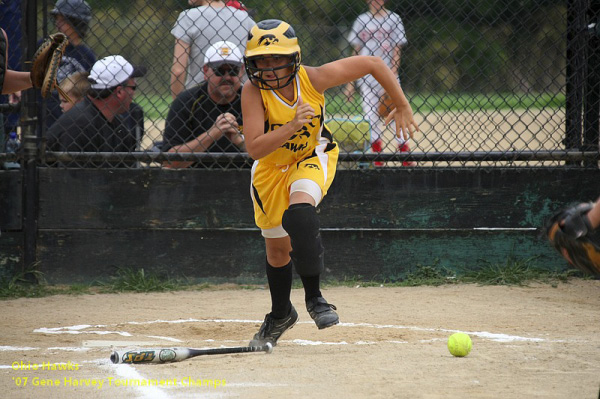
x=272, y=328
x=322, y=312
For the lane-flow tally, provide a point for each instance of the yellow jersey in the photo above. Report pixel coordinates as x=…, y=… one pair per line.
x=279, y=111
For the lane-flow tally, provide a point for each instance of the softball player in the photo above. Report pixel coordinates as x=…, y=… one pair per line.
x=283, y=109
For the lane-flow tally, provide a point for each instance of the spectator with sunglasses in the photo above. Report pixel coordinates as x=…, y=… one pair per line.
x=97, y=124
x=208, y=117
x=196, y=29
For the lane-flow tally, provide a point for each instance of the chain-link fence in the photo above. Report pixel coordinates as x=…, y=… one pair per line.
x=492, y=83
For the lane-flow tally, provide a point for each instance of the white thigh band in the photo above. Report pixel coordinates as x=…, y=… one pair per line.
x=309, y=187
x=275, y=232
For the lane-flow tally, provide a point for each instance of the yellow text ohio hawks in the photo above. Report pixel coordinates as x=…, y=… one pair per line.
x=279, y=111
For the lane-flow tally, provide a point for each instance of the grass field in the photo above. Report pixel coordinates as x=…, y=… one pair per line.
x=157, y=107
x=514, y=272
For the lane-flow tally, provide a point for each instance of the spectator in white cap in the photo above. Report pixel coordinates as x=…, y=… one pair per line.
x=113, y=72
x=98, y=123
x=208, y=117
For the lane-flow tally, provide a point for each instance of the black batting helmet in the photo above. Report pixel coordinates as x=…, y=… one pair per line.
x=77, y=12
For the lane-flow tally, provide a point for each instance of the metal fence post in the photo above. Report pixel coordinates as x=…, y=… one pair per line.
x=591, y=105
x=30, y=149
x=576, y=66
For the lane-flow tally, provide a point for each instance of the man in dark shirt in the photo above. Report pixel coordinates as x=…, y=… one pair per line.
x=97, y=124
x=208, y=117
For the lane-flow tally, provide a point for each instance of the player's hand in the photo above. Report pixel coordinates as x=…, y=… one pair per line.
x=226, y=124
x=405, y=121
x=349, y=92
x=14, y=98
x=304, y=114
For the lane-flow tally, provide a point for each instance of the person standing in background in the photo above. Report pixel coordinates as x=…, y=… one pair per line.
x=378, y=32
x=196, y=29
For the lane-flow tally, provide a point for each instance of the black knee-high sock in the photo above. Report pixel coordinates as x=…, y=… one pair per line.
x=311, y=286
x=280, y=286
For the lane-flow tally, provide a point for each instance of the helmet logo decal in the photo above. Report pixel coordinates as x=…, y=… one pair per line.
x=268, y=39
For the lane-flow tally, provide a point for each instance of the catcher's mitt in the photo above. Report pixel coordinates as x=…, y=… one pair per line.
x=45, y=63
x=570, y=233
x=386, y=105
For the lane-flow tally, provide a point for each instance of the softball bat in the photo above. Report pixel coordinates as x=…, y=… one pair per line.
x=166, y=355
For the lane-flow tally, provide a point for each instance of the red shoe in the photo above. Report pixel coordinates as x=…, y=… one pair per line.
x=377, y=147
x=404, y=148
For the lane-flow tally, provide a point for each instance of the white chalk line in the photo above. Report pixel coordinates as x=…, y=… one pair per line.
x=81, y=329
x=14, y=348
x=69, y=348
x=481, y=334
x=128, y=372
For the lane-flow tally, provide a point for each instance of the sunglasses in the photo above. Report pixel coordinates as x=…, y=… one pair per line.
x=231, y=70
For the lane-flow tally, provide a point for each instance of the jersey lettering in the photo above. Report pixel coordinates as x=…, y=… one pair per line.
x=302, y=132
x=294, y=147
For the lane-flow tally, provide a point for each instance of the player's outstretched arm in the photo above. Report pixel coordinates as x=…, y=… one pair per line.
x=14, y=81
x=352, y=68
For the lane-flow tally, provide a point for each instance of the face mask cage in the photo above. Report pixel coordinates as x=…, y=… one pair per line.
x=256, y=74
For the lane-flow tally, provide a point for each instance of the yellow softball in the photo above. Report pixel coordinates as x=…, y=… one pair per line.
x=459, y=344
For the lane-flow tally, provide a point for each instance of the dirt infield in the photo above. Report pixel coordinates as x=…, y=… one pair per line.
x=528, y=342
x=504, y=130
